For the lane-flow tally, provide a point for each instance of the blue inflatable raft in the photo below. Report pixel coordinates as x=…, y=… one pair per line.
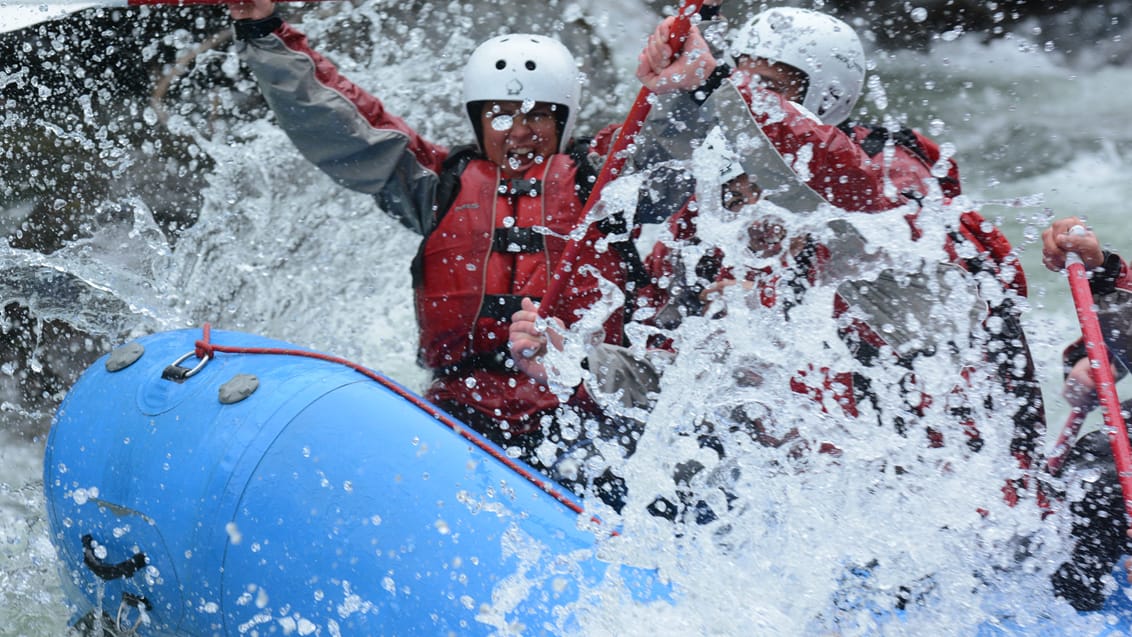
x=235, y=485
x=227, y=484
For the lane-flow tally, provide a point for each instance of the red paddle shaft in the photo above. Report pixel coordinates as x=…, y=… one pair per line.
x=1101, y=370
x=616, y=161
x=1064, y=445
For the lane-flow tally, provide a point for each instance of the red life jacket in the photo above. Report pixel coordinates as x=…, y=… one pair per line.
x=482, y=258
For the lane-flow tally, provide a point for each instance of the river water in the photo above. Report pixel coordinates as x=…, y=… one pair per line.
x=285, y=253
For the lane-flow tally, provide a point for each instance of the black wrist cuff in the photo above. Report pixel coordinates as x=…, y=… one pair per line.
x=255, y=29
x=707, y=13
x=721, y=72
x=1071, y=355
x=1105, y=277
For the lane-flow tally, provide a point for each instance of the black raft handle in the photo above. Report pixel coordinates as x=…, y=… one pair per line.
x=110, y=571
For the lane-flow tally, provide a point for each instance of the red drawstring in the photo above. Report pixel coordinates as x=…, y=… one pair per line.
x=206, y=348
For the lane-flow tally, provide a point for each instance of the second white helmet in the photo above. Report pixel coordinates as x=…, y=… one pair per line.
x=826, y=49
x=521, y=67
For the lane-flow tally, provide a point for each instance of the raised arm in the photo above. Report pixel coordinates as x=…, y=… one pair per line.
x=830, y=161
x=340, y=128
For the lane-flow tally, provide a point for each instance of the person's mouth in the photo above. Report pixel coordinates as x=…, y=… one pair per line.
x=519, y=156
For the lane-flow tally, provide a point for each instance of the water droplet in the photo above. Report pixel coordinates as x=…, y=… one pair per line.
x=502, y=123
x=234, y=535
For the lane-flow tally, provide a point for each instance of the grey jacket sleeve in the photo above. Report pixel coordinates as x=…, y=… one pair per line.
x=343, y=130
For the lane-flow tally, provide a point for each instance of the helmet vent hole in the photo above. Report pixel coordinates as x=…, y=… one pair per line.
x=500, y=64
x=531, y=65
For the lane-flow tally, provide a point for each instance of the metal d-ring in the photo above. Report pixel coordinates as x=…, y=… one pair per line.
x=179, y=374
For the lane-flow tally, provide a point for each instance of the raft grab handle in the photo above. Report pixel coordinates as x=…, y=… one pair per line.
x=110, y=571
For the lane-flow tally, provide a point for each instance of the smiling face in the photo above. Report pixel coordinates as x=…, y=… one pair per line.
x=517, y=138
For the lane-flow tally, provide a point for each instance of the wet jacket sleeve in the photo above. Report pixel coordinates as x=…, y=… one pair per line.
x=1111, y=285
x=1112, y=290
x=830, y=161
x=343, y=130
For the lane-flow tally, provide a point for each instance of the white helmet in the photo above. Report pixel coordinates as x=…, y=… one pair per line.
x=520, y=67
x=826, y=49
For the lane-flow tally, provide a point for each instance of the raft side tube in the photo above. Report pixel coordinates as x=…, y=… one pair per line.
x=319, y=500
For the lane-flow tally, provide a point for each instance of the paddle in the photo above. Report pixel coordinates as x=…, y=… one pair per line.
x=613, y=165
x=20, y=14
x=1101, y=371
x=1064, y=445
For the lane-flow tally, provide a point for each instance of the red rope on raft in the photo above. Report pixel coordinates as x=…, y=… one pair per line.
x=206, y=348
